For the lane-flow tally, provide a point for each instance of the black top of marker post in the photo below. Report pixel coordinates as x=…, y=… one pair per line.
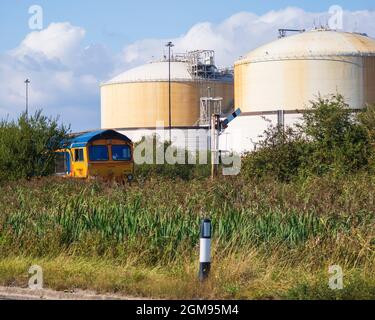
x=209, y=234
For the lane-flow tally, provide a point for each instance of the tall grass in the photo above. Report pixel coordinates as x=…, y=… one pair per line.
x=271, y=239
x=160, y=220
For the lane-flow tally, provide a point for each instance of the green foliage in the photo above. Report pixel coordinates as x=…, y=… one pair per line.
x=330, y=139
x=27, y=146
x=160, y=219
x=357, y=287
x=270, y=239
x=337, y=141
x=280, y=154
x=367, y=119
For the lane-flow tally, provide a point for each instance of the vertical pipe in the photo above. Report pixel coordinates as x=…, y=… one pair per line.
x=215, y=121
x=213, y=145
x=170, y=45
x=205, y=249
x=281, y=119
x=217, y=147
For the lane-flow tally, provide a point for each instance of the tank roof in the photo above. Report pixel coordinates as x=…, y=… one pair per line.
x=159, y=71
x=315, y=43
x=154, y=71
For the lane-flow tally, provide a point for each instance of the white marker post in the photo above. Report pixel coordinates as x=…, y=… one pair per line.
x=205, y=249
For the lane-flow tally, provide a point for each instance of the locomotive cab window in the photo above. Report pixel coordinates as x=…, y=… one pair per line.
x=78, y=155
x=98, y=153
x=121, y=153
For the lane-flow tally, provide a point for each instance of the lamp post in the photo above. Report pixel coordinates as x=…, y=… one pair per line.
x=170, y=45
x=27, y=82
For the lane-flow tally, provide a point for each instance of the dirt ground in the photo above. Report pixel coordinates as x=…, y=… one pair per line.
x=12, y=293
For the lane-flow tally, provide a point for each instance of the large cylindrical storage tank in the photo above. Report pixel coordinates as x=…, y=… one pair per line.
x=290, y=72
x=139, y=98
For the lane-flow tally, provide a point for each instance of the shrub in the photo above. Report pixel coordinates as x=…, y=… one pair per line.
x=367, y=119
x=280, y=155
x=27, y=146
x=330, y=139
x=338, y=142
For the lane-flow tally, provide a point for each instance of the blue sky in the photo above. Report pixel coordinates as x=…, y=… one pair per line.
x=84, y=43
x=119, y=22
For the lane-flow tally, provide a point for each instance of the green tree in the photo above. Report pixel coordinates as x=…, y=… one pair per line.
x=330, y=139
x=367, y=119
x=28, y=145
x=337, y=140
x=280, y=154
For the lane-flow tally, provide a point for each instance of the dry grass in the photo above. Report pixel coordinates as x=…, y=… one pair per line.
x=235, y=277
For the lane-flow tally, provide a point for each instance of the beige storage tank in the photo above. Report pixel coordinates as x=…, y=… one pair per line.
x=139, y=98
x=290, y=72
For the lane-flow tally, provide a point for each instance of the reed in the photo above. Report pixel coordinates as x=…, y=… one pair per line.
x=271, y=226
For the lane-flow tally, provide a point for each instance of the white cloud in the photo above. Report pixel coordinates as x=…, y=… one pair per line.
x=59, y=41
x=243, y=32
x=66, y=74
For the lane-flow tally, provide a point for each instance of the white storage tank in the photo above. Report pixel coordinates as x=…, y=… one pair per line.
x=290, y=72
x=139, y=98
